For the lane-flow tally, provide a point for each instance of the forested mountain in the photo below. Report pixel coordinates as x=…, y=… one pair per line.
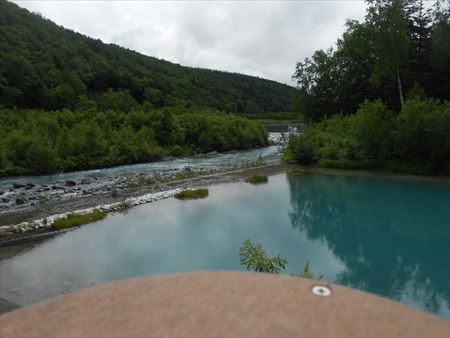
x=399, y=47
x=45, y=66
x=69, y=102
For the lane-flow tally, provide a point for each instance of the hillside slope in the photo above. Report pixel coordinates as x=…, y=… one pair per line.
x=45, y=66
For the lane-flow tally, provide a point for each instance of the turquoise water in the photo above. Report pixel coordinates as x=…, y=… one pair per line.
x=389, y=237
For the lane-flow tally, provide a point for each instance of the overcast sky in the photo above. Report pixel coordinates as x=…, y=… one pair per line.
x=264, y=38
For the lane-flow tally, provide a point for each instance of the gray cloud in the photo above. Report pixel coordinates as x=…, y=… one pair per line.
x=265, y=39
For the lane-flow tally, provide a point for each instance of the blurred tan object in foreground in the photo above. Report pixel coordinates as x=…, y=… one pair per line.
x=220, y=304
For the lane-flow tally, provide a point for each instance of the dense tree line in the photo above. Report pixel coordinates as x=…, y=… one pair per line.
x=416, y=141
x=44, y=66
x=42, y=142
x=400, y=45
x=354, y=95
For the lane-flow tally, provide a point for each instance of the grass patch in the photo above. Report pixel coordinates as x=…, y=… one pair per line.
x=192, y=194
x=346, y=164
x=9, y=231
x=257, y=179
x=124, y=205
x=42, y=199
x=297, y=171
x=73, y=220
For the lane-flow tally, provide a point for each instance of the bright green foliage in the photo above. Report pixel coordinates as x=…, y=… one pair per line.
x=257, y=179
x=192, y=194
x=299, y=149
x=255, y=258
x=416, y=141
x=306, y=273
x=43, y=142
x=44, y=66
x=73, y=220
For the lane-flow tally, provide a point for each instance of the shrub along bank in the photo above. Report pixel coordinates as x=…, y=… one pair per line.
x=414, y=141
x=41, y=142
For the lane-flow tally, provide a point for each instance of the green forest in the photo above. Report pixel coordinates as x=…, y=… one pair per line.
x=69, y=102
x=63, y=140
x=379, y=99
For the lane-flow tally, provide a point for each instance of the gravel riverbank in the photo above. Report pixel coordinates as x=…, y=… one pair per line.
x=37, y=218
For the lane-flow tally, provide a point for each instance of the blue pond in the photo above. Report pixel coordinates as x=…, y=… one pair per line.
x=386, y=236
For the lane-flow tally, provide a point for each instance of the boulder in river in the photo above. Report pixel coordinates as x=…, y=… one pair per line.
x=85, y=181
x=1, y=192
x=30, y=186
x=71, y=183
x=20, y=201
x=18, y=185
x=5, y=200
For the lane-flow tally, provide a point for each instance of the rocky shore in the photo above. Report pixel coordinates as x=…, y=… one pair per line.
x=37, y=213
x=21, y=197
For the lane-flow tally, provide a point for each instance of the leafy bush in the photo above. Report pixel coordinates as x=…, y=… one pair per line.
x=299, y=149
x=255, y=258
x=192, y=194
x=306, y=273
x=44, y=142
x=73, y=220
x=417, y=141
x=257, y=179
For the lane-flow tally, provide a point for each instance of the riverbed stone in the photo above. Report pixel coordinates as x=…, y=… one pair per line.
x=5, y=200
x=71, y=183
x=85, y=181
x=18, y=185
x=2, y=192
x=20, y=201
x=30, y=186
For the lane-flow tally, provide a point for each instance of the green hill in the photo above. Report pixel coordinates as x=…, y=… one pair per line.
x=69, y=102
x=45, y=66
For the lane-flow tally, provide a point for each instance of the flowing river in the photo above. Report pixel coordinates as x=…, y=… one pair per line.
x=212, y=161
x=27, y=193
x=380, y=234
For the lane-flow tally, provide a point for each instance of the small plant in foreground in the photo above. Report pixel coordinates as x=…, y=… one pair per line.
x=257, y=179
x=255, y=258
x=306, y=273
x=73, y=220
x=192, y=194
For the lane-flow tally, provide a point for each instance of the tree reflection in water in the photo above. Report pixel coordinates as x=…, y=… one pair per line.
x=392, y=235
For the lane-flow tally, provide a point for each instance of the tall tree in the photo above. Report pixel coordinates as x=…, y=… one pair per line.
x=389, y=20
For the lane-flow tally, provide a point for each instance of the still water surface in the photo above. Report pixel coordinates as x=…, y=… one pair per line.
x=389, y=237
